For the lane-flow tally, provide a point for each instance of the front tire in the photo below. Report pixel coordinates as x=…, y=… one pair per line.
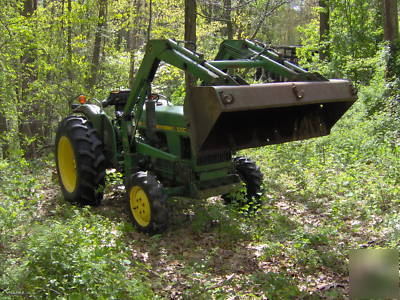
x=80, y=161
x=251, y=176
x=147, y=203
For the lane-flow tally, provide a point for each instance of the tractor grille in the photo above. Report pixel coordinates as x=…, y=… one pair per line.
x=214, y=158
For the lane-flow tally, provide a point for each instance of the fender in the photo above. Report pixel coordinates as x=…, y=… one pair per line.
x=105, y=129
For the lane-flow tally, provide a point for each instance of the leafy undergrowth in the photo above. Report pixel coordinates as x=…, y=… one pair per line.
x=51, y=249
x=323, y=197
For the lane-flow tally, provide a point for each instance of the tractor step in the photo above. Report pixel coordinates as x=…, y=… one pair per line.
x=213, y=187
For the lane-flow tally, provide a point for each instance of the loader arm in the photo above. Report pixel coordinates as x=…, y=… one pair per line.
x=174, y=54
x=248, y=54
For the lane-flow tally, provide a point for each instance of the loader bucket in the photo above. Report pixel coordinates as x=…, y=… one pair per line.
x=229, y=118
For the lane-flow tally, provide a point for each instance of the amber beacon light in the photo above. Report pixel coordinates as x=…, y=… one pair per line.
x=82, y=99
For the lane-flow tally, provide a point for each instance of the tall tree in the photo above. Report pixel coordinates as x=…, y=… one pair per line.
x=150, y=24
x=391, y=33
x=324, y=29
x=98, y=43
x=391, y=21
x=3, y=142
x=29, y=126
x=190, y=35
x=228, y=19
x=29, y=7
x=69, y=40
x=134, y=38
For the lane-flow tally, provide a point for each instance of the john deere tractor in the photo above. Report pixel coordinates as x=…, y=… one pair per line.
x=166, y=150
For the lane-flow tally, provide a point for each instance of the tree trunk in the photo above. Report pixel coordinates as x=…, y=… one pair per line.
x=97, y=44
x=14, y=146
x=3, y=131
x=29, y=7
x=391, y=34
x=228, y=19
x=149, y=26
x=391, y=24
x=133, y=40
x=69, y=38
x=324, y=29
x=29, y=127
x=190, y=35
x=69, y=48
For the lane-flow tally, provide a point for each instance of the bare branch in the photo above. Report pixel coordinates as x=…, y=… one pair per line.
x=212, y=18
x=219, y=5
x=268, y=12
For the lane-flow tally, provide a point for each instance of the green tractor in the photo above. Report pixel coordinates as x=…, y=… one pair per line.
x=166, y=151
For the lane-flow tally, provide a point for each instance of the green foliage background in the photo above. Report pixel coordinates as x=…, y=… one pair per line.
x=323, y=197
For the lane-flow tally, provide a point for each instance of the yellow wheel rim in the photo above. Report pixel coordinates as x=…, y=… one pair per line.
x=67, y=164
x=140, y=206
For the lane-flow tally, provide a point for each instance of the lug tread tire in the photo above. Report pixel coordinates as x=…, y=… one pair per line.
x=251, y=176
x=89, y=157
x=158, y=201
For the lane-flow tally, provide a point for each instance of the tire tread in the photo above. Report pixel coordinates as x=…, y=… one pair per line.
x=89, y=157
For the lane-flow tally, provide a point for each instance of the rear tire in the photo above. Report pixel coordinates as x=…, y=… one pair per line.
x=251, y=176
x=80, y=161
x=147, y=203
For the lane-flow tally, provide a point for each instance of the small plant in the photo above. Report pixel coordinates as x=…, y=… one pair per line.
x=84, y=256
x=113, y=177
x=275, y=285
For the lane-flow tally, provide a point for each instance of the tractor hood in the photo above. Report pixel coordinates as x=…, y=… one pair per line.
x=168, y=118
x=230, y=118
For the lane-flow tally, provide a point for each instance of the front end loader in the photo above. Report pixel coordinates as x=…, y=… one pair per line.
x=167, y=150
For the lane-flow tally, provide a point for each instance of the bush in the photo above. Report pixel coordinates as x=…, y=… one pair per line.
x=84, y=255
x=75, y=254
